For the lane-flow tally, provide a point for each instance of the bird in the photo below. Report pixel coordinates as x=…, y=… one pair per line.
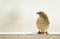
x=42, y=22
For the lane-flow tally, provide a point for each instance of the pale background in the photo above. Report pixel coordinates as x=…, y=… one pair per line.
x=20, y=15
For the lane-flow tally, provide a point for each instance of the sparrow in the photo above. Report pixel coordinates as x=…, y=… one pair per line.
x=42, y=22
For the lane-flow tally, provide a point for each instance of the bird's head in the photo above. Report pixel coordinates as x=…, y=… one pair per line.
x=42, y=14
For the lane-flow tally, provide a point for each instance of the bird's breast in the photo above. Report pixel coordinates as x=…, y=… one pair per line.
x=41, y=22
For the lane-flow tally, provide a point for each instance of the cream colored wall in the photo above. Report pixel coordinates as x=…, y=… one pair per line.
x=20, y=15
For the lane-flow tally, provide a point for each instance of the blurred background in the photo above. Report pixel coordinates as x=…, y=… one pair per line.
x=20, y=15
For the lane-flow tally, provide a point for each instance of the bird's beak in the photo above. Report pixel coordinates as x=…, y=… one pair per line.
x=37, y=12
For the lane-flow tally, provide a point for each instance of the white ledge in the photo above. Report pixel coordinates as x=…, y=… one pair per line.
x=26, y=32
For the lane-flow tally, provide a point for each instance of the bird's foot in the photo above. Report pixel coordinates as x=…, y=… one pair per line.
x=46, y=32
x=42, y=32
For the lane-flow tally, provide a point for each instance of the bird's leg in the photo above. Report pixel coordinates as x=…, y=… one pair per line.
x=40, y=32
x=46, y=32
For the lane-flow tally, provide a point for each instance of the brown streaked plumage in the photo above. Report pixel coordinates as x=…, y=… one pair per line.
x=42, y=22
